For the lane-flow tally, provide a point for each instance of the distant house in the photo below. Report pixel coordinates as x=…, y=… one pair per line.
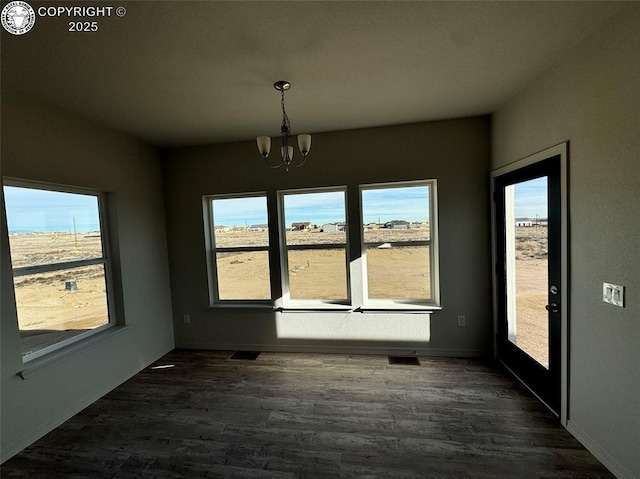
x=301, y=226
x=261, y=227
x=397, y=225
x=221, y=228
x=524, y=222
x=333, y=227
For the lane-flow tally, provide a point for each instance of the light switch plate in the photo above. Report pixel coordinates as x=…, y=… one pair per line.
x=613, y=294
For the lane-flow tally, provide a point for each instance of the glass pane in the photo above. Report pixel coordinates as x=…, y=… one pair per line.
x=317, y=274
x=51, y=227
x=240, y=222
x=243, y=275
x=315, y=218
x=527, y=268
x=398, y=272
x=58, y=305
x=396, y=214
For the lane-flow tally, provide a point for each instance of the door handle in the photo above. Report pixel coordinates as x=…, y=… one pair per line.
x=553, y=307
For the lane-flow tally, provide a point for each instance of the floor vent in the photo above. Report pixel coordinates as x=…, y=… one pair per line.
x=406, y=360
x=247, y=355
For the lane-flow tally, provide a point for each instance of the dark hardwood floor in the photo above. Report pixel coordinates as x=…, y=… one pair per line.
x=203, y=415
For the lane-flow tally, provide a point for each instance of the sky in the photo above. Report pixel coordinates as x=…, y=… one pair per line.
x=531, y=198
x=240, y=211
x=409, y=203
x=32, y=210
x=406, y=203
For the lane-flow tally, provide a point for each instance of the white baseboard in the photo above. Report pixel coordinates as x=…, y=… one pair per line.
x=9, y=450
x=603, y=456
x=335, y=349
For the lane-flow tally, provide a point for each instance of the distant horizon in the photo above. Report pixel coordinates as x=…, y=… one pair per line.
x=61, y=231
x=323, y=207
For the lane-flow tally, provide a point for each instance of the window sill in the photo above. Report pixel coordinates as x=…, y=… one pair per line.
x=38, y=365
x=313, y=307
x=316, y=307
x=401, y=307
x=234, y=305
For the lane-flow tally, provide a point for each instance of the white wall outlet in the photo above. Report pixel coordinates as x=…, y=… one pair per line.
x=186, y=318
x=613, y=294
x=462, y=321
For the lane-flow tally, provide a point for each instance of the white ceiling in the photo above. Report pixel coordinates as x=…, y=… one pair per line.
x=182, y=73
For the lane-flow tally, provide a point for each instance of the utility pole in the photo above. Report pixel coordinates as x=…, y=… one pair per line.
x=75, y=232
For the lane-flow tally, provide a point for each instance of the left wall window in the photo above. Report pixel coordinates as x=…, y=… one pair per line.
x=60, y=261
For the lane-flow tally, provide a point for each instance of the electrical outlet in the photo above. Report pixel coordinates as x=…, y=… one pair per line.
x=186, y=318
x=462, y=321
x=613, y=294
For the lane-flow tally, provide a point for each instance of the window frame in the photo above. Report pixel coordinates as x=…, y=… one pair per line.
x=285, y=301
x=433, y=303
x=105, y=260
x=212, y=250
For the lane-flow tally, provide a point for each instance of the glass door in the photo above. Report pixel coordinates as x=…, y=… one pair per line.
x=529, y=274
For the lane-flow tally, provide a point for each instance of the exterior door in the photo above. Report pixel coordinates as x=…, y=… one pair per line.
x=529, y=293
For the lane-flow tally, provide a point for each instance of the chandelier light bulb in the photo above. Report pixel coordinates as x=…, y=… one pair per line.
x=264, y=145
x=304, y=143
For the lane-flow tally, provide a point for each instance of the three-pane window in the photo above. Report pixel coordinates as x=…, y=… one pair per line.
x=399, y=261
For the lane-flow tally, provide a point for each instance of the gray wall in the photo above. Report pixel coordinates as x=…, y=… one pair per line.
x=43, y=144
x=592, y=99
x=455, y=152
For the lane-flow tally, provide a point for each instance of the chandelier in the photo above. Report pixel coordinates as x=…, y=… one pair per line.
x=286, y=151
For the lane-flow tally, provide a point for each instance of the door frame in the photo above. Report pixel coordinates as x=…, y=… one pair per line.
x=562, y=150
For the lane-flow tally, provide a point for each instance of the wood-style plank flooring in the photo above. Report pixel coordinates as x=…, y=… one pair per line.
x=310, y=416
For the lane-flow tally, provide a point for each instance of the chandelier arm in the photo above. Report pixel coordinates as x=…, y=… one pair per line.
x=273, y=165
x=293, y=163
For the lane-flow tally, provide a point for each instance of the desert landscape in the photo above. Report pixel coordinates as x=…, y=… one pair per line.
x=56, y=305
x=320, y=273
x=60, y=304
x=531, y=292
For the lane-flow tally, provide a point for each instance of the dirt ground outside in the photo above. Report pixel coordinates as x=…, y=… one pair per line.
x=56, y=305
x=532, y=331
x=49, y=309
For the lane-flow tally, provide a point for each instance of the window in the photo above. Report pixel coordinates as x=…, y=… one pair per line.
x=61, y=270
x=399, y=263
x=239, y=248
x=314, y=245
x=399, y=243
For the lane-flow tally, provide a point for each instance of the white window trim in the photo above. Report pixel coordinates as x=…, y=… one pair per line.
x=105, y=260
x=417, y=304
x=285, y=302
x=211, y=250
